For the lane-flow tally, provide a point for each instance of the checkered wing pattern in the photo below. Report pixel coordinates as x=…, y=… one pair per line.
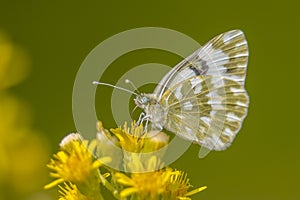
x=204, y=95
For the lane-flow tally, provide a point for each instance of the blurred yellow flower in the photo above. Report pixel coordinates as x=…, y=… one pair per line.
x=20, y=143
x=14, y=63
x=75, y=162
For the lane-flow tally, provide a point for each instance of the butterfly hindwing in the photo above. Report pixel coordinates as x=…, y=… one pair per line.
x=208, y=115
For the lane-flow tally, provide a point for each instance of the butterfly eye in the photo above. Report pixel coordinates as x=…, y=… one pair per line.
x=144, y=100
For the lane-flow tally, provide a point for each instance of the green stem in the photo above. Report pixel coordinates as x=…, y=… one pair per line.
x=108, y=185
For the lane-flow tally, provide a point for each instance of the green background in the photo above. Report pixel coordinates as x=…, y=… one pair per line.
x=262, y=163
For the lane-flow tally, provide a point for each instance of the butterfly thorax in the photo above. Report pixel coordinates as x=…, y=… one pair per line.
x=153, y=110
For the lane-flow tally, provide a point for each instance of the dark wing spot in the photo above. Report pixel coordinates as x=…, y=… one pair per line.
x=195, y=70
x=201, y=67
x=204, y=66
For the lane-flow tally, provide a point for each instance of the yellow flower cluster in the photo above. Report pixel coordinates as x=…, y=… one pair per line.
x=75, y=163
x=77, y=167
x=162, y=184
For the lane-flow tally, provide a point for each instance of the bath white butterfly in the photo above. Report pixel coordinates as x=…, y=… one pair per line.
x=203, y=99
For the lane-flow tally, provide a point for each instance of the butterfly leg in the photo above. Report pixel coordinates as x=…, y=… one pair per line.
x=140, y=120
x=147, y=118
x=143, y=117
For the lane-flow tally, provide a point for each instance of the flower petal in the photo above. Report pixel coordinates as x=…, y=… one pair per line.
x=128, y=191
x=195, y=191
x=123, y=179
x=54, y=183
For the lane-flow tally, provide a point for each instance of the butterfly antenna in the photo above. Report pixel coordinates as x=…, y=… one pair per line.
x=110, y=85
x=131, y=83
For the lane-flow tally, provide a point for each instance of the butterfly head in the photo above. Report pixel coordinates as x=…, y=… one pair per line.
x=142, y=100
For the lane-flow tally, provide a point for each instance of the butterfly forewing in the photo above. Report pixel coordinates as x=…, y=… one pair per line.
x=226, y=55
x=204, y=95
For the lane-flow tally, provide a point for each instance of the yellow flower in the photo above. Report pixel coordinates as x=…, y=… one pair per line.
x=150, y=185
x=147, y=180
x=141, y=150
x=130, y=139
x=178, y=186
x=70, y=192
x=74, y=162
x=108, y=145
x=138, y=163
x=135, y=139
x=164, y=184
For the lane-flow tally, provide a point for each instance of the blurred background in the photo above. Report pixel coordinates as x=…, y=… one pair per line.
x=42, y=45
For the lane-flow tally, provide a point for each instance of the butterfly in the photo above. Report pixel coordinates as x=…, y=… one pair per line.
x=203, y=99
